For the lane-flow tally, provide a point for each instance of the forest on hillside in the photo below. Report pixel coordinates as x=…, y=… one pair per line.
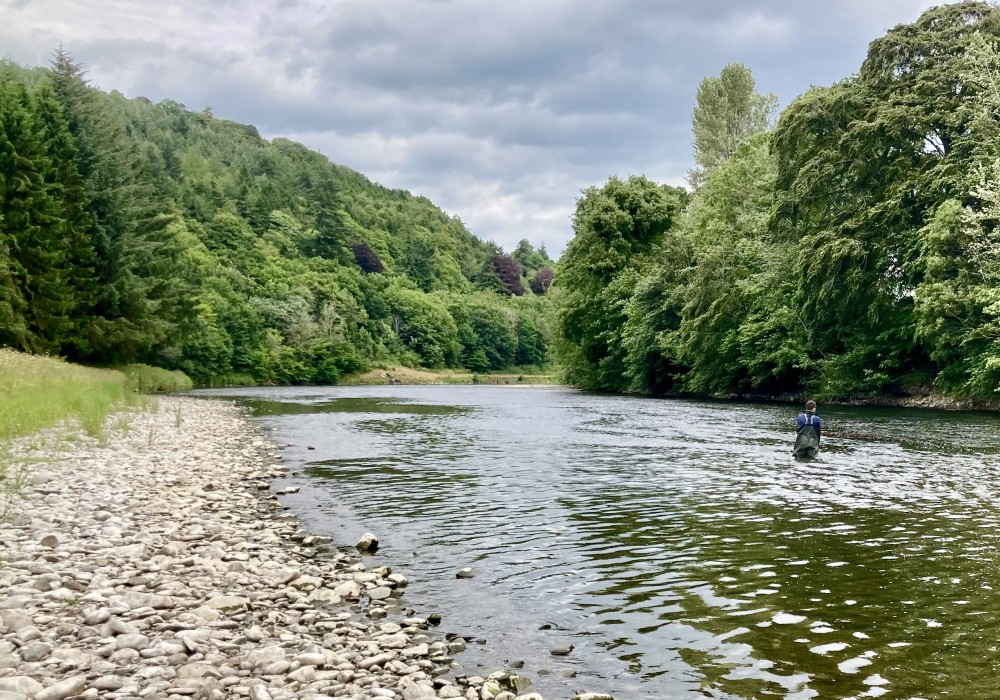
x=140, y=232
x=846, y=247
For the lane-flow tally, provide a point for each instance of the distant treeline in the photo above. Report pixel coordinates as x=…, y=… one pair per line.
x=140, y=232
x=851, y=248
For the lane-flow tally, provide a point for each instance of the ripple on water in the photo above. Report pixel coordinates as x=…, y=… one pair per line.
x=677, y=565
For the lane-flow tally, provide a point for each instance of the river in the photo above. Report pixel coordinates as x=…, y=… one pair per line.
x=675, y=544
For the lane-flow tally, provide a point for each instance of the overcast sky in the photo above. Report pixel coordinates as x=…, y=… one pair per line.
x=499, y=111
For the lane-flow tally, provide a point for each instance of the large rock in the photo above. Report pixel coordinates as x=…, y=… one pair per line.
x=63, y=689
x=368, y=543
x=20, y=684
x=132, y=641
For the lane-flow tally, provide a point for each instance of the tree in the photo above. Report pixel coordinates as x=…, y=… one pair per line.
x=509, y=272
x=367, y=259
x=542, y=280
x=615, y=227
x=728, y=110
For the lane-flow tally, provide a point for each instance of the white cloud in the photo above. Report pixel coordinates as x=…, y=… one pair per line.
x=500, y=112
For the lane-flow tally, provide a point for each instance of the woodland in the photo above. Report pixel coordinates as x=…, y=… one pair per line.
x=846, y=247
x=133, y=232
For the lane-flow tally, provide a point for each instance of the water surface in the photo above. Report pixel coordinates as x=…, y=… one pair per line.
x=675, y=544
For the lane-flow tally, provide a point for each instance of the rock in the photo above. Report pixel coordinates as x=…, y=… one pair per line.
x=108, y=683
x=261, y=656
x=465, y=573
x=314, y=659
x=36, y=651
x=138, y=642
x=227, y=602
x=96, y=616
x=561, y=650
x=393, y=641
x=13, y=620
x=63, y=689
x=377, y=660
x=368, y=543
x=593, y=696
x=259, y=692
x=11, y=695
x=434, y=619
x=349, y=589
x=380, y=593
x=21, y=684
x=51, y=541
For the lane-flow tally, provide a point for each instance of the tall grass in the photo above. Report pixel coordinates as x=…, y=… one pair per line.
x=153, y=380
x=37, y=392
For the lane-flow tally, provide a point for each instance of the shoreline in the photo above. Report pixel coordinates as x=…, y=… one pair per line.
x=158, y=563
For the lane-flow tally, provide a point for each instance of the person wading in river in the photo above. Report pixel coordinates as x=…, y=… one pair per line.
x=807, y=436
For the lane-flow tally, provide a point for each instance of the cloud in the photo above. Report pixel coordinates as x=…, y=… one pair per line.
x=499, y=112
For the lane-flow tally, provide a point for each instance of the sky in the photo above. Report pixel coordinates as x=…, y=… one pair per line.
x=499, y=111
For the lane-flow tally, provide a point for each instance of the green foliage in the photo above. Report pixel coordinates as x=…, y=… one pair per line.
x=153, y=380
x=140, y=233
x=851, y=251
x=616, y=227
x=422, y=322
x=728, y=110
x=39, y=392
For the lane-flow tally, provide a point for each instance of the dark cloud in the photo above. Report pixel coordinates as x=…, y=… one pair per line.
x=500, y=112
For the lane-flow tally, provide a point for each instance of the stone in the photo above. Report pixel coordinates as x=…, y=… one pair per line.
x=561, y=650
x=368, y=543
x=20, y=684
x=465, y=573
x=314, y=659
x=377, y=660
x=96, y=616
x=108, y=683
x=593, y=696
x=36, y=651
x=63, y=689
x=259, y=692
x=14, y=620
x=393, y=641
x=349, y=589
x=138, y=642
x=51, y=541
x=379, y=593
x=227, y=602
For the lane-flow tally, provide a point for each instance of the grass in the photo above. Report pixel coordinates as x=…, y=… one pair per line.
x=153, y=380
x=38, y=392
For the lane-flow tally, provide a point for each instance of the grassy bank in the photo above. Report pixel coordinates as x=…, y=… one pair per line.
x=37, y=392
x=409, y=375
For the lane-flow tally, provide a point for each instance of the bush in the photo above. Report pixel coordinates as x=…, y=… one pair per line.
x=153, y=380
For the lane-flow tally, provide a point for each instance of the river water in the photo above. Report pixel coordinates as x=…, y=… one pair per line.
x=675, y=544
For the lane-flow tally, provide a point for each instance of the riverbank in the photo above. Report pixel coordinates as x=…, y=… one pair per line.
x=156, y=563
x=409, y=375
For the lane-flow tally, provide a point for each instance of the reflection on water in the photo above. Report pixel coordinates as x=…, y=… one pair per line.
x=675, y=544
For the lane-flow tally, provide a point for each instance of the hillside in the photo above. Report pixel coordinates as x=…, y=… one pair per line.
x=141, y=232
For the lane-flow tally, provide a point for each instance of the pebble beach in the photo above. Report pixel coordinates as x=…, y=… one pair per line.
x=157, y=563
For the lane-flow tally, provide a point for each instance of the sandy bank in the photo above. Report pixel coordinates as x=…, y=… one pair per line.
x=158, y=565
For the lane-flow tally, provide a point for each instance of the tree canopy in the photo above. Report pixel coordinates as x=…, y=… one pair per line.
x=132, y=231
x=848, y=250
